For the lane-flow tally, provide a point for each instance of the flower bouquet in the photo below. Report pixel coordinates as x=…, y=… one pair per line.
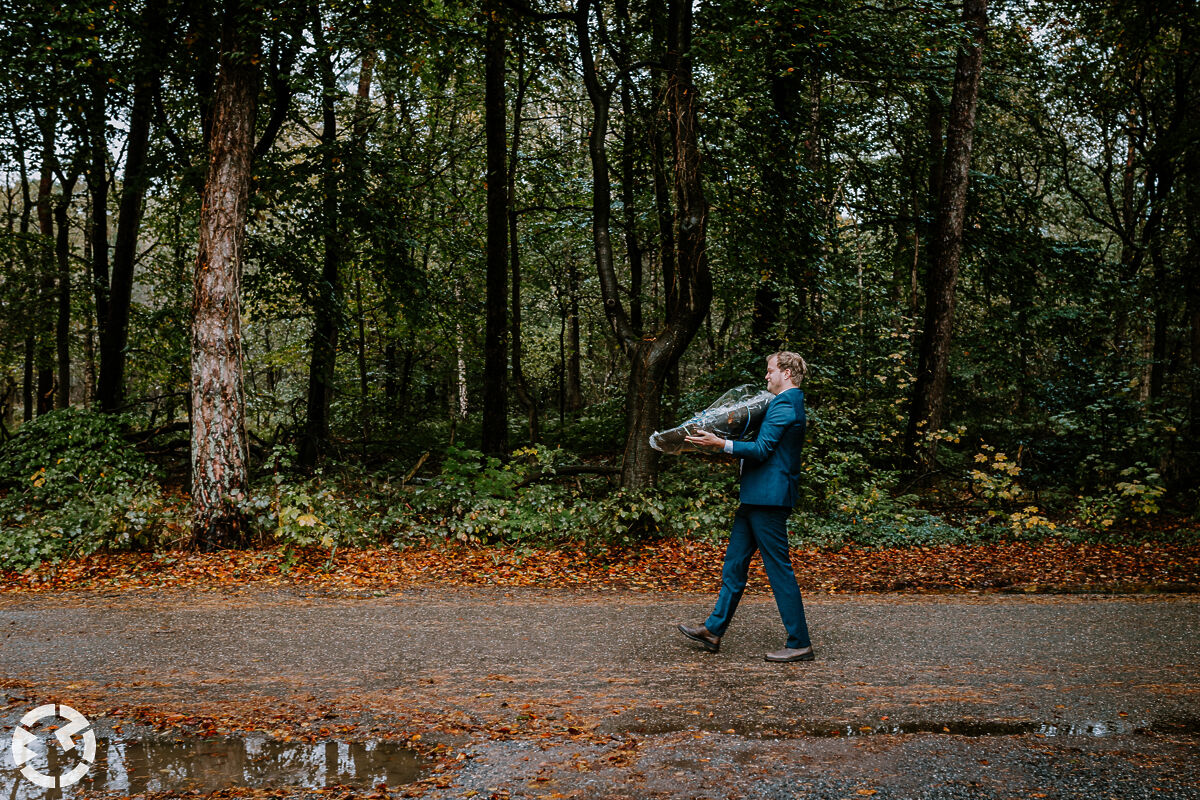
x=737, y=414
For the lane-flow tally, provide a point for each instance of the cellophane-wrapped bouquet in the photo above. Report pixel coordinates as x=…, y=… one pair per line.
x=737, y=414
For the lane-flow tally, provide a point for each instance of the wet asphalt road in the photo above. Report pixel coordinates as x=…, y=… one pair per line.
x=910, y=695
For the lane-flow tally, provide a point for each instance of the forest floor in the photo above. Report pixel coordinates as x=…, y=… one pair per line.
x=666, y=565
x=1015, y=670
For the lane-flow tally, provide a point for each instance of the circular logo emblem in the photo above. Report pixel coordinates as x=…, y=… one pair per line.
x=75, y=723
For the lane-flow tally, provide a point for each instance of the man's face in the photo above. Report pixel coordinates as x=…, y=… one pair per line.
x=777, y=380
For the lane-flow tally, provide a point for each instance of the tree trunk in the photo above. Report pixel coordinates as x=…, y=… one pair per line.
x=27, y=387
x=524, y=395
x=45, y=329
x=359, y=135
x=779, y=189
x=495, y=349
x=660, y=146
x=633, y=248
x=97, y=179
x=327, y=314
x=643, y=412
x=30, y=345
x=62, y=254
x=689, y=292
x=573, y=389
x=115, y=338
x=929, y=392
x=1164, y=167
x=219, y=468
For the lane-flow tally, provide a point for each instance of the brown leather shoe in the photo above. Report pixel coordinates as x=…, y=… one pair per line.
x=789, y=654
x=699, y=633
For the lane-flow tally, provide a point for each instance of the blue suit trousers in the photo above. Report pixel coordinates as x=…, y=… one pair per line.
x=760, y=529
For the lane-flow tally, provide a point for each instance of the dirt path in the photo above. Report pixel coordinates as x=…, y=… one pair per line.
x=592, y=694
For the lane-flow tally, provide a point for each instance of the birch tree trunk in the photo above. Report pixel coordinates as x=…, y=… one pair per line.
x=62, y=257
x=46, y=280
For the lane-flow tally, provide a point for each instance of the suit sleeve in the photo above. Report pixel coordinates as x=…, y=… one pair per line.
x=779, y=417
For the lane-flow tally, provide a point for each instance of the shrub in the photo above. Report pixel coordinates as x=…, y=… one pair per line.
x=72, y=484
x=342, y=508
x=1125, y=500
x=915, y=528
x=478, y=499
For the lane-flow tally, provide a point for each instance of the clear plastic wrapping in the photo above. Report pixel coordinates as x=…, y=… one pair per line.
x=737, y=414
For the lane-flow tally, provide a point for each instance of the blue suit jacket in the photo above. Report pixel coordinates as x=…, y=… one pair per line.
x=771, y=463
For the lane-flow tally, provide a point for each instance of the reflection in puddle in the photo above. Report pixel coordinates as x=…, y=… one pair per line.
x=1094, y=728
x=1063, y=728
x=135, y=766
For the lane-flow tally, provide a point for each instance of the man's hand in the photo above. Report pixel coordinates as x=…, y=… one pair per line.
x=703, y=438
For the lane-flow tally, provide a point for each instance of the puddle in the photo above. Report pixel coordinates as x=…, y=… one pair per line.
x=1088, y=728
x=126, y=767
x=1093, y=728
x=1097, y=729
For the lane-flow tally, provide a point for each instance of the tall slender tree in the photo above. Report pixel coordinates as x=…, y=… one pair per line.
x=929, y=391
x=114, y=338
x=62, y=258
x=328, y=311
x=48, y=122
x=495, y=348
x=519, y=384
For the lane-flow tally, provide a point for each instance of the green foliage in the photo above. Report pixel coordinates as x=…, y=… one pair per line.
x=67, y=452
x=318, y=511
x=480, y=500
x=905, y=528
x=598, y=429
x=821, y=124
x=72, y=484
x=1134, y=497
x=695, y=499
x=328, y=510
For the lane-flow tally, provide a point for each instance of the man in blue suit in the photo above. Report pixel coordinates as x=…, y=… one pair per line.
x=770, y=468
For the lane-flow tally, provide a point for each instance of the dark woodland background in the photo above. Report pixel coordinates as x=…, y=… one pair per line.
x=338, y=273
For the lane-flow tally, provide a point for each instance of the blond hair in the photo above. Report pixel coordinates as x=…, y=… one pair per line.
x=791, y=363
